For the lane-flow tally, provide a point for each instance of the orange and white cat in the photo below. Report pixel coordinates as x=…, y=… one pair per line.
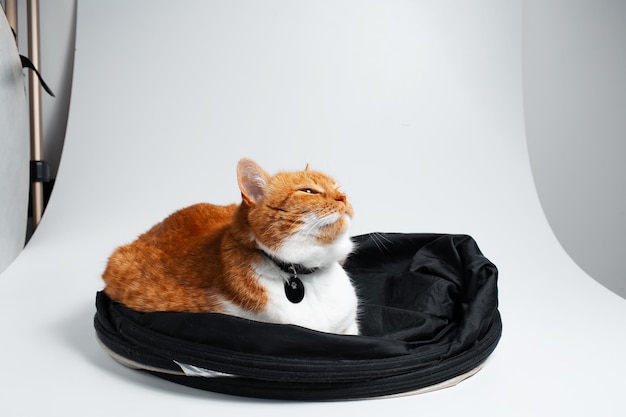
x=274, y=258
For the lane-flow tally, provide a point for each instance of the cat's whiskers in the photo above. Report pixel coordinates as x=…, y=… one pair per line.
x=379, y=239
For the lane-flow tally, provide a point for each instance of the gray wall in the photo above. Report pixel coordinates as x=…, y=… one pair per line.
x=575, y=107
x=575, y=111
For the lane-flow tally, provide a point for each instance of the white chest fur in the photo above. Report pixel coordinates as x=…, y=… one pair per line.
x=329, y=303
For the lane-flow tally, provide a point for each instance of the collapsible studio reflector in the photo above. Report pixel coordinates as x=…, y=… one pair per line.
x=428, y=317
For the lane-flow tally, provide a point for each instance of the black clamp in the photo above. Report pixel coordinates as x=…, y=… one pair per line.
x=39, y=171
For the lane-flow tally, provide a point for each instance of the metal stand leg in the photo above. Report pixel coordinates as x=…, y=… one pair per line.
x=36, y=148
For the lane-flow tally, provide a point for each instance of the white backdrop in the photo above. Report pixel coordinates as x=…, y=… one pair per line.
x=574, y=86
x=415, y=107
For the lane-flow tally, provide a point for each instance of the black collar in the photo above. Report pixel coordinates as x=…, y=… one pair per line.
x=290, y=268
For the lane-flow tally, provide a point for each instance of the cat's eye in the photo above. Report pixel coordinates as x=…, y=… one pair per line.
x=309, y=191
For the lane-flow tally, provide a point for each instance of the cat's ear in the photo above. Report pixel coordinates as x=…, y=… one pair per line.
x=252, y=181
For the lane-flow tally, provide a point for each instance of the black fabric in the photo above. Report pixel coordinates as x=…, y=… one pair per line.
x=428, y=313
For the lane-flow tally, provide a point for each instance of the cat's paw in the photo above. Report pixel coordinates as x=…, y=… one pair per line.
x=353, y=329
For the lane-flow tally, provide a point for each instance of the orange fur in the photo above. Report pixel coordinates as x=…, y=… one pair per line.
x=203, y=255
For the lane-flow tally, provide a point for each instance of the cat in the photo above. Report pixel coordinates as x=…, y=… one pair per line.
x=275, y=257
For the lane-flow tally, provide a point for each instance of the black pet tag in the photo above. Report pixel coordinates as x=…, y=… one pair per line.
x=294, y=290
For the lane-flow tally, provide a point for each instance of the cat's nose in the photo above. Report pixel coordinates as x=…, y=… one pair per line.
x=342, y=198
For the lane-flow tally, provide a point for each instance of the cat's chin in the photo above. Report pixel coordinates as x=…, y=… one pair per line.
x=310, y=252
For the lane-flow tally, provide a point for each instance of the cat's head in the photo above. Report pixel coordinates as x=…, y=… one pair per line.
x=298, y=216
